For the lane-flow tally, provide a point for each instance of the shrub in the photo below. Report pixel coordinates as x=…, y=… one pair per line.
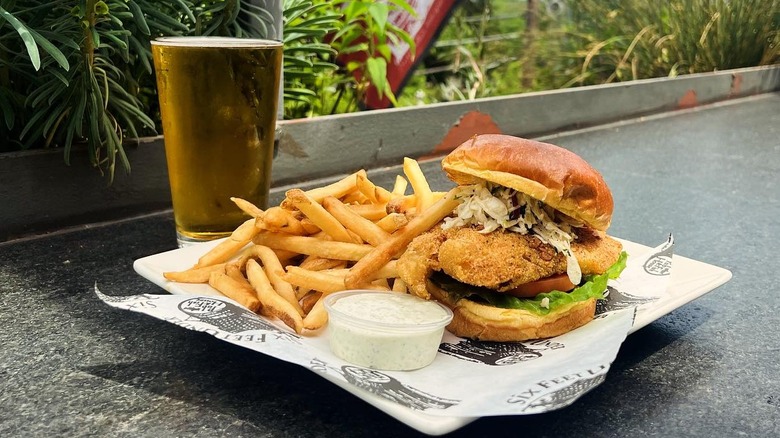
x=593, y=42
x=80, y=73
x=625, y=40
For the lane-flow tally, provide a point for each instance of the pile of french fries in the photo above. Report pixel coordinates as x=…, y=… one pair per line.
x=283, y=261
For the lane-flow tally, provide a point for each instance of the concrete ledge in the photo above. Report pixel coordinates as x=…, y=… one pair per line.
x=40, y=193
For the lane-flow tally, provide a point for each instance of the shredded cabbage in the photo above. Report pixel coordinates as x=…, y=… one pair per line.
x=492, y=206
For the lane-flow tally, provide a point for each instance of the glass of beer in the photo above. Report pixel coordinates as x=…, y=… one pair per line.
x=218, y=103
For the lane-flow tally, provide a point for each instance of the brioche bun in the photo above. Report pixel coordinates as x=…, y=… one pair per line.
x=549, y=173
x=488, y=323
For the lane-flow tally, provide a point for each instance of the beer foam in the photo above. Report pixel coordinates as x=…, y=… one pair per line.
x=212, y=41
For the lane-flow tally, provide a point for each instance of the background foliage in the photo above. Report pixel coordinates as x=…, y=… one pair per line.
x=79, y=73
x=361, y=40
x=486, y=50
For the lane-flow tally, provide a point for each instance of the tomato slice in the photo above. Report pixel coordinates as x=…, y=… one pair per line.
x=554, y=282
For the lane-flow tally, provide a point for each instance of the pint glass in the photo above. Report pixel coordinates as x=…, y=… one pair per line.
x=218, y=103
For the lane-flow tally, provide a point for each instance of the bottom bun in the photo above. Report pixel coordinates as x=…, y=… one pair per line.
x=488, y=323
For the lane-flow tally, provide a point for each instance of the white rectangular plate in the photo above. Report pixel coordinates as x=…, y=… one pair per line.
x=690, y=279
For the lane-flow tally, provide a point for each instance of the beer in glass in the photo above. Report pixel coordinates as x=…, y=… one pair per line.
x=218, y=103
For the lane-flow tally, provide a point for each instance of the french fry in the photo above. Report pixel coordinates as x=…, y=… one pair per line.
x=367, y=188
x=284, y=256
x=319, y=215
x=402, y=204
x=194, y=275
x=362, y=272
x=248, y=208
x=272, y=302
x=317, y=317
x=367, y=230
x=419, y=184
x=234, y=271
x=438, y=195
x=286, y=259
x=251, y=252
x=318, y=280
x=356, y=198
x=314, y=280
x=275, y=218
x=399, y=188
x=355, y=237
x=281, y=220
x=338, y=189
x=309, y=227
x=371, y=212
x=234, y=290
x=275, y=272
x=387, y=271
x=244, y=256
x=399, y=286
x=374, y=193
x=314, y=263
x=381, y=284
x=301, y=293
x=309, y=300
x=313, y=246
x=392, y=222
x=383, y=195
x=230, y=246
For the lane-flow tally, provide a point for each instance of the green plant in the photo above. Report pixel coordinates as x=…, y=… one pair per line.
x=593, y=42
x=363, y=42
x=79, y=73
x=82, y=89
x=475, y=56
x=76, y=90
x=652, y=39
x=306, y=56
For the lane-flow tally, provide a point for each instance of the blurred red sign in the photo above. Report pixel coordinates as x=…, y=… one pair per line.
x=431, y=17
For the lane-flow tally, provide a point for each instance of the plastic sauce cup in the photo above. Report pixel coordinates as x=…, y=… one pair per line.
x=385, y=330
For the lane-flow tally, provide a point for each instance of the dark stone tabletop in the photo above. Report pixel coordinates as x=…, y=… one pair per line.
x=72, y=366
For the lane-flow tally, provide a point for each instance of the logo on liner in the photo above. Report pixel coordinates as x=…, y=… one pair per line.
x=659, y=265
x=498, y=353
x=661, y=262
x=386, y=386
x=390, y=388
x=541, y=398
x=617, y=300
x=225, y=316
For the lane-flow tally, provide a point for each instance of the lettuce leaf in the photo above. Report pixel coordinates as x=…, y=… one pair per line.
x=592, y=287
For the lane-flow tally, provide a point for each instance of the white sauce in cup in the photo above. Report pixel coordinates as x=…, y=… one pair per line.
x=385, y=330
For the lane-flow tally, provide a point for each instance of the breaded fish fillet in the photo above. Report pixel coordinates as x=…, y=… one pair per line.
x=500, y=260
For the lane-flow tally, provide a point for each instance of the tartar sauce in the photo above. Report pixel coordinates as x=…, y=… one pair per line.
x=385, y=330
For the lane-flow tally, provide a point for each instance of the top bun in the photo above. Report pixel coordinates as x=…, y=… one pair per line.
x=549, y=173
